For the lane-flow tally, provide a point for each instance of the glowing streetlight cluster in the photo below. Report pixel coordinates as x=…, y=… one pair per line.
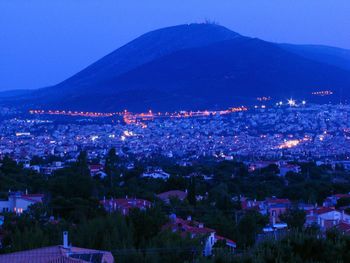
x=291, y=102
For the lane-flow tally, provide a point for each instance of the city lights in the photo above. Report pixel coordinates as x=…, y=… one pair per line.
x=289, y=144
x=291, y=102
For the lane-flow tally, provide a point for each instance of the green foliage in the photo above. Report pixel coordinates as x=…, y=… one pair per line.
x=72, y=197
x=303, y=247
x=222, y=222
x=74, y=181
x=28, y=233
x=343, y=202
x=295, y=218
x=13, y=177
x=76, y=209
x=111, y=168
x=249, y=226
x=192, y=191
x=173, y=248
x=147, y=223
x=106, y=233
x=221, y=196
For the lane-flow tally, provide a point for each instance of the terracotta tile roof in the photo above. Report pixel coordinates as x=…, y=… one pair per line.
x=278, y=201
x=342, y=196
x=195, y=228
x=95, y=167
x=33, y=195
x=228, y=241
x=321, y=210
x=344, y=227
x=191, y=227
x=34, y=200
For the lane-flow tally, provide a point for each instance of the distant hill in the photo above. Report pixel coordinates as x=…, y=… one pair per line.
x=196, y=66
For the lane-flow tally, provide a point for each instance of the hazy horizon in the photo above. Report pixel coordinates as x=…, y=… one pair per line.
x=44, y=43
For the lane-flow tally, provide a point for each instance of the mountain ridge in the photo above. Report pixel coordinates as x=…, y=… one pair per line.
x=193, y=67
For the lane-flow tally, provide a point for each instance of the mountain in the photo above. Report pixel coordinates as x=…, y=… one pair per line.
x=196, y=66
x=330, y=55
x=145, y=48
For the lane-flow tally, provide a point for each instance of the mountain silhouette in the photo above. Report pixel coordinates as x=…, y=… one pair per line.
x=197, y=66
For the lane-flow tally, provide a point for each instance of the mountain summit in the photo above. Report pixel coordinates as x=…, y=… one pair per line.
x=193, y=67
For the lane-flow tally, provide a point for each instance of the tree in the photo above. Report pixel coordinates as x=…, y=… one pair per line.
x=146, y=223
x=104, y=232
x=9, y=166
x=295, y=218
x=192, y=191
x=110, y=166
x=173, y=248
x=345, y=201
x=220, y=195
x=249, y=226
x=81, y=165
x=13, y=177
x=76, y=209
x=74, y=181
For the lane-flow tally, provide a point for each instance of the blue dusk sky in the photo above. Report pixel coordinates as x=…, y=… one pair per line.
x=43, y=42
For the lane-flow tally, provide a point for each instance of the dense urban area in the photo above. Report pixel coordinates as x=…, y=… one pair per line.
x=312, y=132
x=267, y=183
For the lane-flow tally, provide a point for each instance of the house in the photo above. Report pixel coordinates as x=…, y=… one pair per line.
x=124, y=205
x=35, y=168
x=130, y=166
x=332, y=200
x=156, y=174
x=197, y=230
x=48, y=170
x=273, y=207
x=95, y=169
x=59, y=254
x=344, y=164
x=166, y=196
x=18, y=202
x=326, y=217
x=259, y=206
x=259, y=165
x=344, y=228
x=286, y=168
x=277, y=207
x=305, y=207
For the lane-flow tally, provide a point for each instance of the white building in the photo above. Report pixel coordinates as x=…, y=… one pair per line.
x=18, y=202
x=156, y=174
